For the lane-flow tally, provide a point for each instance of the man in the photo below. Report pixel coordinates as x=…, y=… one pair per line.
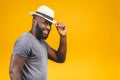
x=30, y=54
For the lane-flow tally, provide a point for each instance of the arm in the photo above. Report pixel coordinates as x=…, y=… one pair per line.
x=16, y=66
x=59, y=55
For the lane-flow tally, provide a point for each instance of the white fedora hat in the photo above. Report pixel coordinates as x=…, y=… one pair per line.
x=45, y=12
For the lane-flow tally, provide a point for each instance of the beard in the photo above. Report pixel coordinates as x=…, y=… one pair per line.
x=39, y=33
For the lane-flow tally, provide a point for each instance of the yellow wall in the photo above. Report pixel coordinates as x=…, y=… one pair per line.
x=93, y=36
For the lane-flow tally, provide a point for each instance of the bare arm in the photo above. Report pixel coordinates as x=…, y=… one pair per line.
x=16, y=66
x=59, y=55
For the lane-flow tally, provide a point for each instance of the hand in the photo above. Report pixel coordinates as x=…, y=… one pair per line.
x=61, y=29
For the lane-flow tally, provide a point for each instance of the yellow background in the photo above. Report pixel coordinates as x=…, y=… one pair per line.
x=93, y=36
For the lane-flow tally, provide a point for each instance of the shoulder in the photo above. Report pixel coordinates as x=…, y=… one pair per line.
x=23, y=40
x=22, y=46
x=24, y=37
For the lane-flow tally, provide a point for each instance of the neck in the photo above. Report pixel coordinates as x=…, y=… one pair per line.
x=32, y=31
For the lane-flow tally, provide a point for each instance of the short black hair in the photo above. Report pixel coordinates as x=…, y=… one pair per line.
x=35, y=16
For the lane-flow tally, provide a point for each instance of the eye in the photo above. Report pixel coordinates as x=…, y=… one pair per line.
x=44, y=23
x=47, y=23
x=50, y=23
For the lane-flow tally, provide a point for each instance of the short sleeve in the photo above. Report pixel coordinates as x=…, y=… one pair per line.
x=22, y=47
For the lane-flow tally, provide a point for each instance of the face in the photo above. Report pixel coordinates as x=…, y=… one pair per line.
x=43, y=28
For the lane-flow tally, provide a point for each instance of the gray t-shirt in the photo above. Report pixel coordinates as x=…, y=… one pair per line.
x=35, y=52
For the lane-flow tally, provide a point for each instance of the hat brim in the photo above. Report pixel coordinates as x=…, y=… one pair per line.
x=33, y=13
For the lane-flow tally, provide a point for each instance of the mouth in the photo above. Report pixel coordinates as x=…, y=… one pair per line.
x=45, y=32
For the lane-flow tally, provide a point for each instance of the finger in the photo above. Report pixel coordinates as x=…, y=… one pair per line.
x=57, y=23
x=62, y=28
x=54, y=22
x=60, y=25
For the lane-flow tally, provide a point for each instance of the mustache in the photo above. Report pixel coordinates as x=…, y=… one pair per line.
x=46, y=30
x=40, y=29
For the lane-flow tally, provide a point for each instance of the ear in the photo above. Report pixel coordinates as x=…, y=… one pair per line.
x=34, y=22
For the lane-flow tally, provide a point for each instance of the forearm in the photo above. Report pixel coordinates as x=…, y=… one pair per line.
x=15, y=75
x=61, y=53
